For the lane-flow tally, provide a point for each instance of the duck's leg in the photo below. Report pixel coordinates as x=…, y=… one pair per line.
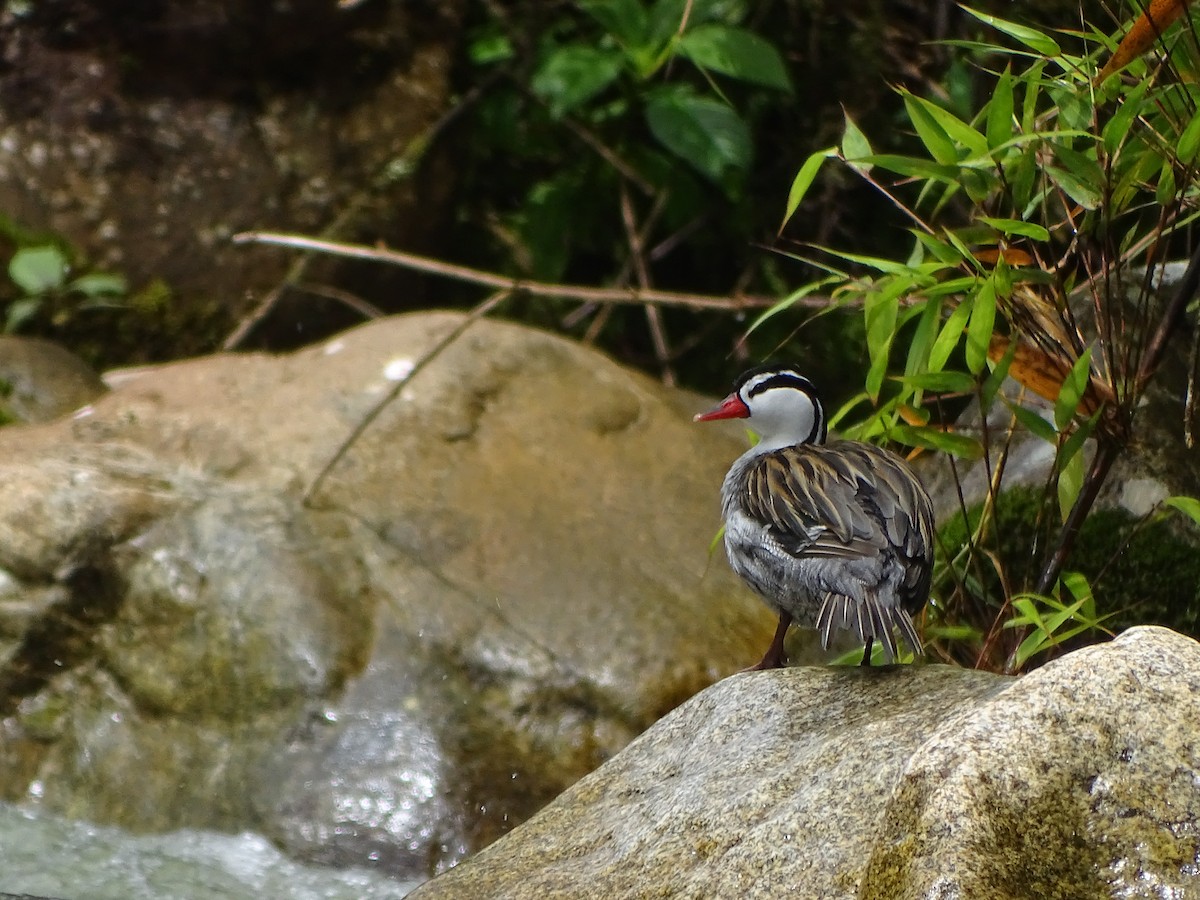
x=774, y=658
x=866, y=660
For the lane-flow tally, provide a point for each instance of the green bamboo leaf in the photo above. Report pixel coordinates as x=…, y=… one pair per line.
x=1000, y=112
x=917, y=360
x=1034, y=423
x=1078, y=175
x=981, y=326
x=932, y=438
x=880, y=310
x=855, y=145
x=931, y=133
x=738, y=53
x=1072, y=445
x=1078, y=584
x=803, y=181
x=951, y=334
x=947, y=382
x=1189, y=506
x=1164, y=192
x=912, y=167
x=1042, y=44
x=1018, y=227
x=992, y=384
x=1116, y=129
x=1071, y=392
x=937, y=248
x=1189, y=141
x=1070, y=482
x=1032, y=79
x=959, y=132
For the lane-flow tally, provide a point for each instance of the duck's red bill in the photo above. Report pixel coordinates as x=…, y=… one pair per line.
x=731, y=407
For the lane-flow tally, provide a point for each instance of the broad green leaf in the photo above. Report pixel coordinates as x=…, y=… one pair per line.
x=738, y=53
x=1000, y=112
x=932, y=438
x=574, y=74
x=99, y=285
x=1034, y=423
x=1189, y=141
x=489, y=48
x=36, y=270
x=625, y=20
x=951, y=334
x=1071, y=392
x=1070, y=481
x=703, y=132
x=980, y=327
x=855, y=145
x=803, y=181
x=1189, y=506
x=959, y=132
x=1043, y=44
x=19, y=312
x=931, y=133
x=1018, y=227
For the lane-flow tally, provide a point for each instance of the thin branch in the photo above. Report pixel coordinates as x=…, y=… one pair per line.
x=454, y=334
x=1106, y=454
x=516, y=285
x=1169, y=322
x=658, y=333
x=393, y=170
x=355, y=302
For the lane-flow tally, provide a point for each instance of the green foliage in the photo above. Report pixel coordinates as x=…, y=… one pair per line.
x=1030, y=216
x=41, y=273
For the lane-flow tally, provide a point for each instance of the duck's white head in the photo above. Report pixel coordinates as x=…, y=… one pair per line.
x=781, y=404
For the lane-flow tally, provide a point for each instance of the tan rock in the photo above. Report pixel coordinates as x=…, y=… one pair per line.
x=502, y=583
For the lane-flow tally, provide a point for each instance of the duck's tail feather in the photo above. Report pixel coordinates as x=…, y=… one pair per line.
x=867, y=619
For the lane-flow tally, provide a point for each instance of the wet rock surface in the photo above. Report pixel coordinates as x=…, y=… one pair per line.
x=504, y=581
x=1079, y=780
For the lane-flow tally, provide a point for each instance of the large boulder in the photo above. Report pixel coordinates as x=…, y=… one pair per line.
x=1079, y=780
x=504, y=581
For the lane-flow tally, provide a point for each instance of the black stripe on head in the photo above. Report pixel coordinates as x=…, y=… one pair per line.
x=783, y=375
